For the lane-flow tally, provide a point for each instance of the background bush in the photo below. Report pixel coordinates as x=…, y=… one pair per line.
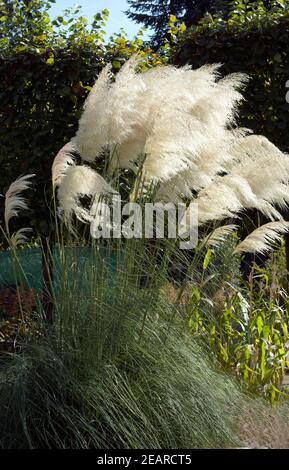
x=257, y=44
x=46, y=71
x=47, y=68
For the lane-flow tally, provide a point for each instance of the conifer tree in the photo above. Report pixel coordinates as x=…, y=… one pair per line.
x=155, y=14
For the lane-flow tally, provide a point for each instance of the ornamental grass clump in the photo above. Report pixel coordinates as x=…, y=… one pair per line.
x=178, y=127
x=117, y=370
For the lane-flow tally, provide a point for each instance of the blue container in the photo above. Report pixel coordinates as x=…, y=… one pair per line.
x=27, y=269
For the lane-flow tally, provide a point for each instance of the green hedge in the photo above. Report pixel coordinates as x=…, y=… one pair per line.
x=41, y=98
x=43, y=86
x=258, y=46
x=46, y=71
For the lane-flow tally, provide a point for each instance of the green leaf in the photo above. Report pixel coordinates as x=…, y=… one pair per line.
x=266, y=332
x=260, y=324
x=263, y=360
x=116, y=64
x=223, y=352
x=50, y=61
x=207, y=258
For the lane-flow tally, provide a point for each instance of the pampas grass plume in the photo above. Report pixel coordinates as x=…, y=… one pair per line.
x=14, y=202
x=262, y=239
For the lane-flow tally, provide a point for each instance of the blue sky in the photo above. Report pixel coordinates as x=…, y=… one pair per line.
x=117, y=19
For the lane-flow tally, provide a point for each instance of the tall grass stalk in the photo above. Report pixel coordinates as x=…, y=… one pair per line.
x=89, y=382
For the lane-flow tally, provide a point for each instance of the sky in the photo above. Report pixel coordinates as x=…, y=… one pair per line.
x=117, y=19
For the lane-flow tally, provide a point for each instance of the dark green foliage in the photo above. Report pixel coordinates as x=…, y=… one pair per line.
x=41, y=98
x=258, y=46
x=114, y=371
x=248, y=6
x=156, y=14
x=44, y=78
x=117, y=370
x=46, y=71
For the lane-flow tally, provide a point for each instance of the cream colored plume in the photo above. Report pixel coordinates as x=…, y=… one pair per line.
x=262, y=239
x=19, y=237
x=183, y=123
x=193, y=119
x=256, y=178
x=62, y=162
x=168, y=114
x=219, y=235
x=92, y=134
x=14, y=202
x=80, y=181
x=113, y=111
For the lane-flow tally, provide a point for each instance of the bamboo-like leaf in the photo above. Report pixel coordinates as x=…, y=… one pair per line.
x=207, y=258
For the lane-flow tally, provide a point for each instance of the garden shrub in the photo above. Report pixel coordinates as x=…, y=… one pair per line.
x=256, y=44
x=47, y=69
x=246, y=325
x=117, y=370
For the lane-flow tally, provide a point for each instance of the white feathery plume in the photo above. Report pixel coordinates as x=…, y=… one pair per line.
x=127, y=154
x=127, y=112
x=162, y=113
x=218, y=108
x=257, y=150
x=181, y=87
x=254, y=163
x=80, y=181
x=19, y=237
x=14, y=202
x=179, y=119
x=62, y=162
x=129, y=124
x=92, y=134
x=227, y=196
x=214, y=158
x=266, y=176
x=184, y=131
x=113, y=111
x=217, y=236
x=261, y=239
